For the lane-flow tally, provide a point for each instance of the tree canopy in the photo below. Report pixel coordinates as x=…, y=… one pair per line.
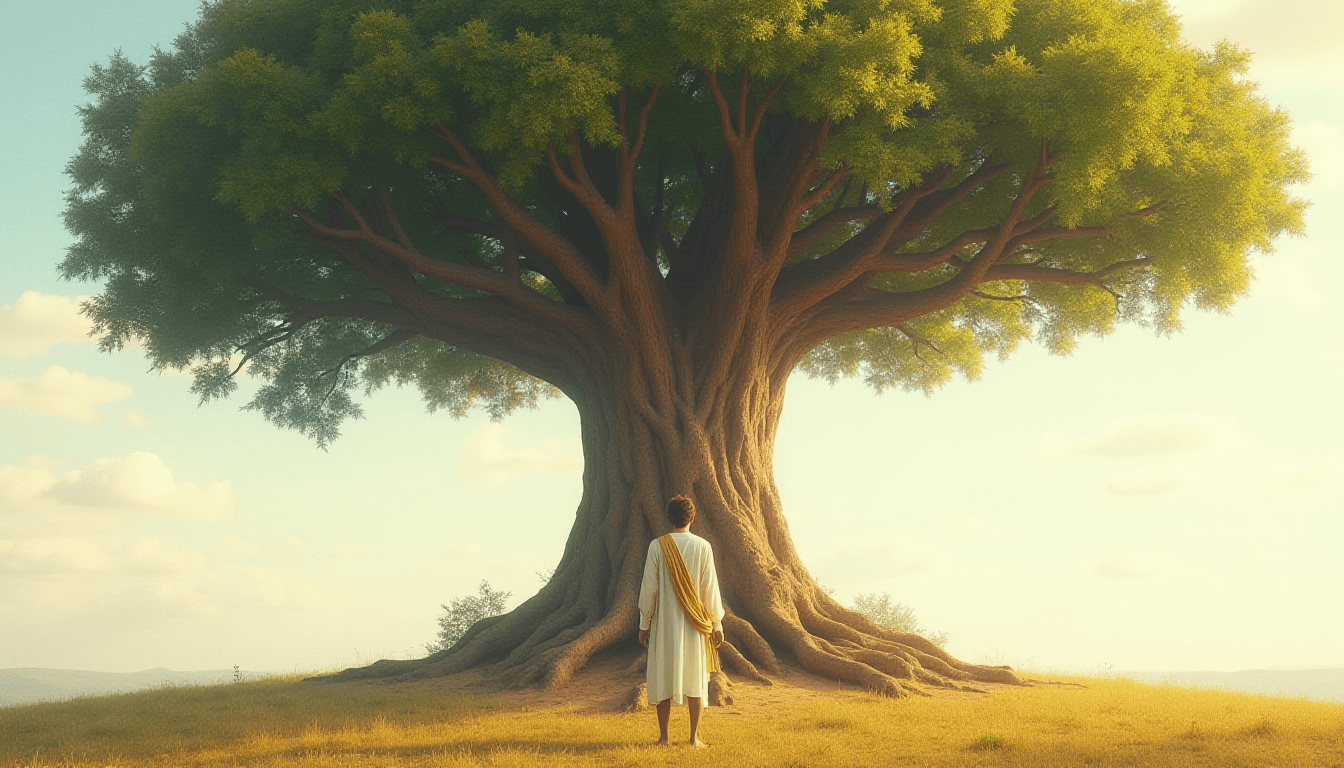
x=347, y=193
x=662, y=209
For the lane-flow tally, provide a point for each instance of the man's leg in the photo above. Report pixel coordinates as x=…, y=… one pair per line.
x=693, y=705
x=664, y=714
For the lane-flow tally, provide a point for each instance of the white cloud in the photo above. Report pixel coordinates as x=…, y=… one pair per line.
x=38, y=320
x=52, y=555
x=486, y=459
x=140, y=482
x=1148, y=436
x=1143, y=483
x=82, y=554
x=22, y=484
x=60, y=392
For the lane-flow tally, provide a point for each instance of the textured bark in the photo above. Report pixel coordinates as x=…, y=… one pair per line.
x=645, y=439
x=678, y=369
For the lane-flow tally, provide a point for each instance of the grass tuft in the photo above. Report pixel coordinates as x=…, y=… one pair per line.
x=987, y=743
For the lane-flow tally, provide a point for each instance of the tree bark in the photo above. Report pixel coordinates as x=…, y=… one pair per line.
x=645, y=439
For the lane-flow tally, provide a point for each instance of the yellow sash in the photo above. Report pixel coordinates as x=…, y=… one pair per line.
x=690, y=601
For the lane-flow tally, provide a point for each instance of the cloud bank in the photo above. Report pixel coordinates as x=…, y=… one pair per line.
x=486, y=459
x=61, y=392
x=138, y=483
x=39, y=320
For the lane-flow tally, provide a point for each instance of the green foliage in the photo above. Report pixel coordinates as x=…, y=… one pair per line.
x=185, y=188
x=881, y=610
x=462, y=612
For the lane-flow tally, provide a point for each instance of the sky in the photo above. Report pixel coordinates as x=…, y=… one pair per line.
x=1148, y=503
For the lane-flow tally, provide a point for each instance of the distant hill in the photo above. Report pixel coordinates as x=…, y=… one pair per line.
x=25, y=685
x=1326, y=684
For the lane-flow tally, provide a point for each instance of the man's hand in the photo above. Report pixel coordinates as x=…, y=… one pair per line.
x=644, y=637
x=717, y=638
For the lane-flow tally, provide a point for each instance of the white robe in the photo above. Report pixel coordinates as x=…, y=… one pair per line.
x=677, y=664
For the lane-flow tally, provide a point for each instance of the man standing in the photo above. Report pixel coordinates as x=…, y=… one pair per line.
x=680, y=618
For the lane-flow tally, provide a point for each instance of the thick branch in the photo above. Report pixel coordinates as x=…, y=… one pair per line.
x=546, y=240
x=868, y=307
x=821, y=190
x=540, y=345
x=810, y=235
x=404, y=251
x=1039, y=274
x=630, y=150
x=809, y=282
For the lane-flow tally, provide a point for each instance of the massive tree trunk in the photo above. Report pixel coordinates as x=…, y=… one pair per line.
x=652, y=428
x=678, y=370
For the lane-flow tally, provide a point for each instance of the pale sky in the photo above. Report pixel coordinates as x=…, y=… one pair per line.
x=1146, y=504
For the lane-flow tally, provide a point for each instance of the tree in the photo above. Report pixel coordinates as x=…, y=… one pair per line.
x=881, y=611
x=661, y=209
x=463, y=612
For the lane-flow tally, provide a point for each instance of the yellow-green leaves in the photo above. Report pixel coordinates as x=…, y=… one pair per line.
x=857, y=68
x=765, y=35
x=534, y=89
x=254, y=111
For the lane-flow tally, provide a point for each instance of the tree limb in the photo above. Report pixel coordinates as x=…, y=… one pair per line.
x=551, y=244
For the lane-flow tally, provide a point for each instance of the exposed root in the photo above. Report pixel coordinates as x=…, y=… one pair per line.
x=637, y=700
x=734, y=660
x=640, y=666
x=749, y=643
x=549, y=638
x=881, y=660
x=720, y=690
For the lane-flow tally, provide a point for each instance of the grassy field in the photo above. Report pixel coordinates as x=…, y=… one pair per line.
x=281, y=722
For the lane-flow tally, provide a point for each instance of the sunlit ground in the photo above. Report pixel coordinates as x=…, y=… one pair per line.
x=281, y=722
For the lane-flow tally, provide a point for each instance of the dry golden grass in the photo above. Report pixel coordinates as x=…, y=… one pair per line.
x=281, y=723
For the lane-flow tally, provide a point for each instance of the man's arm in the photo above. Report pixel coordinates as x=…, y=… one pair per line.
x=711, y=598
x=648, y=592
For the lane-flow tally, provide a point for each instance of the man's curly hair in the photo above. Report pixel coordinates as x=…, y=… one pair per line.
x=680, y=511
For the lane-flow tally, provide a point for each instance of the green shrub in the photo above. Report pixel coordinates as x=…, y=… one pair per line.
x=460, y=613
x=881, y=610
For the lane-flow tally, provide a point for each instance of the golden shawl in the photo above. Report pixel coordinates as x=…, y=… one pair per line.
x=690, y=601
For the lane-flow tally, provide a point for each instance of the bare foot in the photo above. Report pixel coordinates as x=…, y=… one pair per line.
x=696, y=742
x=662, y=742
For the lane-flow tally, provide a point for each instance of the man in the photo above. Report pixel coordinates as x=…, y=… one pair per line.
x=680, y=619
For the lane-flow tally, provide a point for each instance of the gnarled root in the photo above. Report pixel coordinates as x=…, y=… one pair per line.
x=637, y=700
x=720, y=690
x=731, y=658
x=547, y=639
x=826, y=640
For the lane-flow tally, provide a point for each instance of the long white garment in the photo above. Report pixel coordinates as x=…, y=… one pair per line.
x=677, y=665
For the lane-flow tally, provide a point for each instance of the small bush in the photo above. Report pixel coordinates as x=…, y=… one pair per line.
x=462, y=612
x=987, y=742
x=881, y=610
